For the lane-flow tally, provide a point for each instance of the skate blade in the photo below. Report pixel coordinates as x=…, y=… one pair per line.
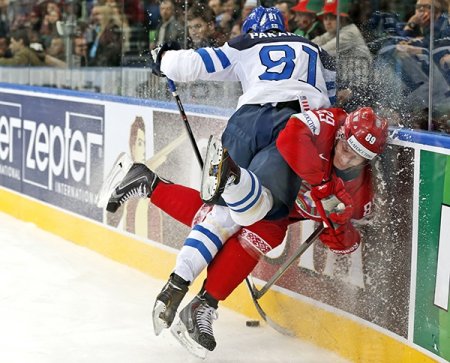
x=210, y=182
x=180, y=332
x=159, y=324
x=120, y=168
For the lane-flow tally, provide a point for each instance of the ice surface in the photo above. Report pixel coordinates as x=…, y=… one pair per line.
x=63, y=303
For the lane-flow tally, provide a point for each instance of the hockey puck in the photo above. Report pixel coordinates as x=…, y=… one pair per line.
x=252, y=323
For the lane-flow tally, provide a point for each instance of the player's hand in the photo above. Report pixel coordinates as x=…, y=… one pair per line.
x=342, y=240
x=333, y=202
x=157, y=54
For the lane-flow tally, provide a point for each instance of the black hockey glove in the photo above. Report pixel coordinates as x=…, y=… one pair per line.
x=157, y=55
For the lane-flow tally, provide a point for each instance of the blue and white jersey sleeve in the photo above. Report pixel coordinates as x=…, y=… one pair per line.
x=214, y=64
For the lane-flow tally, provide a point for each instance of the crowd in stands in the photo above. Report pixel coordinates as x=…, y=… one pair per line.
x=382, y=47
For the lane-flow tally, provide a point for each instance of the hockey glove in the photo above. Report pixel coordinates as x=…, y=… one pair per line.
x=333, y=203
x=157, y=54
x=343, y=240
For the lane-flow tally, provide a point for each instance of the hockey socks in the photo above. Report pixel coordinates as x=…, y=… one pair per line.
x=248, y=200
x=204, y=241
x=240, y=254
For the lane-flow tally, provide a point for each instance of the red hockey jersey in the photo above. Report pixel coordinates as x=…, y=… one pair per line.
x=307, y=144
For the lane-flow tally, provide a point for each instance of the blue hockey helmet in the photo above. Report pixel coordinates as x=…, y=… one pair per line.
x=263, y=19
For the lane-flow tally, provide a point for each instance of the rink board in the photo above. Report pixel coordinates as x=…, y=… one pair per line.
x=68, y=146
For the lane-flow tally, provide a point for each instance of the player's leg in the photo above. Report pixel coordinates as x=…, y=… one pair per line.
x=241, y=190
x=275, y=174
x=180, y=202
x=201, y=245
x=230, y=267
x=129, y=180
x=240, y=255
x=263, y=186
x=267, y=189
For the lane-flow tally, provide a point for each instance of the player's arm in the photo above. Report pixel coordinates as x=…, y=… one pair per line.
x=296, y=143
x=214, y=64
x=346, y=238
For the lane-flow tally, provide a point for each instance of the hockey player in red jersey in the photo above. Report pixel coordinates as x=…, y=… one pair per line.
x=328, y=149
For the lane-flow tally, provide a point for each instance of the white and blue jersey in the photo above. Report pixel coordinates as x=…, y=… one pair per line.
x=272, y=67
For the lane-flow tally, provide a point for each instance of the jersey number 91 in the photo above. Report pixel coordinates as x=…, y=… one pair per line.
x=286, y=63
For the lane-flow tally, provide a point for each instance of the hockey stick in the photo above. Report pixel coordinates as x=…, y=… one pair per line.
x=303, y=247
x=263, y=314
x=257, y=294
x=173, y=89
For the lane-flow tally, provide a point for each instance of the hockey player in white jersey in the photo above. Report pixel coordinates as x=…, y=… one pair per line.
x=279, y=72
x=276, y=70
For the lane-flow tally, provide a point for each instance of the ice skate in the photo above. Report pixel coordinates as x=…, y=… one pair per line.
x=120, y=168
x=181, y=333
x=219, y=170
x=194, y=328
x=126, y=180
x=167, y=302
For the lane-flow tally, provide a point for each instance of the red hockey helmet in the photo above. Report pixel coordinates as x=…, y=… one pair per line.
x=366, y=133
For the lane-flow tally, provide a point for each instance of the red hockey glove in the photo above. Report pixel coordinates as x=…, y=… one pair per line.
x=329, y=197
x=342, y=240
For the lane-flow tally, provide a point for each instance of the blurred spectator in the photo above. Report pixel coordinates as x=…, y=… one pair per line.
x=169, y=29
x=80, y=49
x=288, y=15
x=49, y=28
x=216, y=7
x=57, y=48
x=72, y=10
x=122, y=20
x=201, y=29
x=444, y=64
x=308, y=24
x=35, y=21
x=42, y=7
x=22, y=54
x=236, y=29
x=249, y=5
x=134, y=11
x=223, y=14
x=407, y=61
x=381, y=24
x=34, y=37
x=5, y=52
x=106, y=47
x=350, y=37
x=136, y=20
x=233, y=7
x=418, y=25
x=152, y=15
x=6, y=17
x=79, y=56
x=354, y=59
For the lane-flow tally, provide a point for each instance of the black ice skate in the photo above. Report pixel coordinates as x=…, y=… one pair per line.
x=194, y=328
x=219, y=171
x=126, y=180
x=167, y=302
